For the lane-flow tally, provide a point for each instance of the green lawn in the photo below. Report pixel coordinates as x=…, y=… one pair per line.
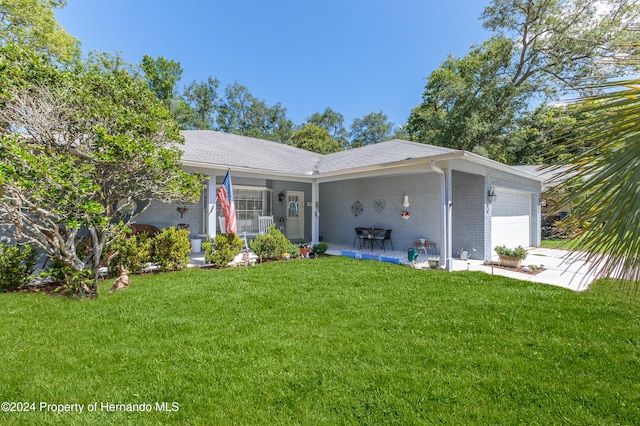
x=326, y=341
x=560, y=244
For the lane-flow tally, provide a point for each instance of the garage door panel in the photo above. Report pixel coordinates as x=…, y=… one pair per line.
x=511, y=220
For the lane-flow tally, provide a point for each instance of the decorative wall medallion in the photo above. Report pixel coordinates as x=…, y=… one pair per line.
x=357, y=208
x=378, y=205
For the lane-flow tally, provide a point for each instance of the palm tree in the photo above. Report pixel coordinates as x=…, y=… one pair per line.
x=602, y=184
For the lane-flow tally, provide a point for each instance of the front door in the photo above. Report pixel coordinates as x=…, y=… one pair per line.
x=295, y=215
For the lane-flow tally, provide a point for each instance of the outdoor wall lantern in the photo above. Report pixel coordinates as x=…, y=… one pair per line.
x=281, y=197
x=491, y=195
x=182, y=211
x=405, y=201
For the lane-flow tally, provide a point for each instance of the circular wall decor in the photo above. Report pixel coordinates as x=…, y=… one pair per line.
x=357, y=208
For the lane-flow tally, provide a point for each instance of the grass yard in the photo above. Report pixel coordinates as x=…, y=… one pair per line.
x=326, y=341
x=560, y=244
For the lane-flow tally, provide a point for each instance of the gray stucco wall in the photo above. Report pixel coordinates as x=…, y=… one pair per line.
x=337, y=222
x=165, y=215
x=467, y=214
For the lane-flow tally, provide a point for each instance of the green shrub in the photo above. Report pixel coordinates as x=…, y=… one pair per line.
x=223, y=249
x=70, y=280
x=272, y=245
x=17, y=264
x=170, y=248
x=319, y=249
x=294, y=250
x=133, y=252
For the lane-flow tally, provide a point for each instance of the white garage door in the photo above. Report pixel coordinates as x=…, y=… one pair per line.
x=511, y=220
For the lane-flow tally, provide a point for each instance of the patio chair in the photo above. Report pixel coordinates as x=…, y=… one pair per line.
x=361, y=234
x=382, y=237
x=263, y=223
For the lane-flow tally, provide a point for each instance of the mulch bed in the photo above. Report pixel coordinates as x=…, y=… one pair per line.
x=41, y=287
x=530, y=271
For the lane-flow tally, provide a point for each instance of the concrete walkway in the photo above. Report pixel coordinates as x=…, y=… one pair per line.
x=561, y=268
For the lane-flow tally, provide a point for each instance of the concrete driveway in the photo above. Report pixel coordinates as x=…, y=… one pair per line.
x=562, y=268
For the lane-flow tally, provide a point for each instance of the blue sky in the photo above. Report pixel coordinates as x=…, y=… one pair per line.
x=354, y=56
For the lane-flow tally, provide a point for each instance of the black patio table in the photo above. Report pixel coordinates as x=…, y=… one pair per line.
x=371, y=235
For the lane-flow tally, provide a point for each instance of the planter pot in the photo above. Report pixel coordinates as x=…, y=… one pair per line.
x=434, y=263
x=304, y=251
x=509, y=261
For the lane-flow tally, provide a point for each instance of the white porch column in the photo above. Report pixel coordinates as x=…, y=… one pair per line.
x=211, y=207
x=449, y=219
x=315, y=212
x=444, y=230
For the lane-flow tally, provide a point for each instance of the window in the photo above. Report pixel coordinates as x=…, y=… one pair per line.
x=250, y=203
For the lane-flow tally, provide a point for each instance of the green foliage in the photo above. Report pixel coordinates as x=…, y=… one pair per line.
x=171, y=248
x=518, y=252
x=70, y=280
x=97, y=135
x=315, y=139
x=132, y=251
x=17, y=263
x=539, y=50
x=222, y=249
x=33, y=23
x=240, y=113
x=196, y=108
x=333, y=122
x=601, y=182
x=272, y=245
x=469, y=103
x=319, y=249
x=162, y=75
x=293, y=251
x=370, y=129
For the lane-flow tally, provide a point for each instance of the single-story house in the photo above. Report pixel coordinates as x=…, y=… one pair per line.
x=454, y=199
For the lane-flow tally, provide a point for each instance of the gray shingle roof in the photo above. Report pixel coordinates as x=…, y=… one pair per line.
x=228, y=150
x=209, y=147
x=380, y=153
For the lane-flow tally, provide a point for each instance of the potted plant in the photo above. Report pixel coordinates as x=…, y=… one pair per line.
x=511, y=257
x=304, y=249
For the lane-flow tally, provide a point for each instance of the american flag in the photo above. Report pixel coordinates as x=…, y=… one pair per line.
x=225, y=195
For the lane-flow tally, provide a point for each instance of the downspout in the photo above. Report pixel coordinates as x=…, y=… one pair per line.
x=315, y=212
x=443, y=204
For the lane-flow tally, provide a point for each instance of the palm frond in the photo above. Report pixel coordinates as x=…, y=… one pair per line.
x=604, y=190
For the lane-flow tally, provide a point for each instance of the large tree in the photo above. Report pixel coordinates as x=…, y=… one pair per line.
x=370, y=129
x=241, y=113
x=541, y=49
x=33, y=23
x=333, y=122
x=78, y=148
x=316, y=139
x=469, y=103
x=601, y=185
x=163, y=76
x=196, y=108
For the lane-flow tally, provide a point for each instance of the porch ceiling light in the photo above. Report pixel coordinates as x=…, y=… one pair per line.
x=491, y=195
